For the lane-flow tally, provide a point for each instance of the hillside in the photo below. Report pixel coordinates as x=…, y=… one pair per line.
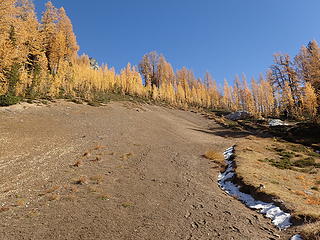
x=120, y=171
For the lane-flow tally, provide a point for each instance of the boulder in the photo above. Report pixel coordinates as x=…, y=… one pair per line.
x=239, y=115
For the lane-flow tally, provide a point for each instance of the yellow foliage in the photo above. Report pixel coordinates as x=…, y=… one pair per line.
x=39, y=59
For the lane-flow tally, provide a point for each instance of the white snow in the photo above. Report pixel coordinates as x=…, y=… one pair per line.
x=279, y=218
x=276, y=122
x=296, y=237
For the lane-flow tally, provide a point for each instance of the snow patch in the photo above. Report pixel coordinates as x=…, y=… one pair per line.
x=296, y=237
x=279, y=218
x=276, y=122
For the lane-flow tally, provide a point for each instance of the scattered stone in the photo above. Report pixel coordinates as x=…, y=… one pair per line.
x=78, y=163
x=86, y=154
x=202, y=222
x=97, y=159
x=249, y=149
x=209, y=214
x=194, y=225
x=188, y=214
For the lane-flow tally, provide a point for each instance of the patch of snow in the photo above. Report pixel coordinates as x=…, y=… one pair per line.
x=296, y=237
x=279, y=218
x=276, y=122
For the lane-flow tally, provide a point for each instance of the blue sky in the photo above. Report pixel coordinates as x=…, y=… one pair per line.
x=224, y=37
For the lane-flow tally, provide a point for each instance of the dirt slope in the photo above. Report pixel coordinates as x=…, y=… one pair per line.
x=141, y=173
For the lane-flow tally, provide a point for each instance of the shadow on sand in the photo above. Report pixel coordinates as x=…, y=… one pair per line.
x=223, y=132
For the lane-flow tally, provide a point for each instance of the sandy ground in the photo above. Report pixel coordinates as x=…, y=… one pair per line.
x=141, y=171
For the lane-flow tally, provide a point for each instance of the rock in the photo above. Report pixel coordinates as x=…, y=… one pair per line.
x=194, y=225
x=308, y=192
x=276, y=122
x=188, y=214
x=239, y=115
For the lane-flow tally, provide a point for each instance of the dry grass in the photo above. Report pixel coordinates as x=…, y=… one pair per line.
x=69, y=188
x=127, y=204
x=126, y=156
x=21, y=202
x=311, y=231
x=33, y=213
x=70, y=197
x=97, y=159
x=82, y=180
x=93, y=189
x=54, y=197
x=78, y=163
x=53, y=189
x=97, y=179
x=296, y=186
x=103, y=197
x=73, y=189
x=4, y=209
x=99, y=147
x=215, y=156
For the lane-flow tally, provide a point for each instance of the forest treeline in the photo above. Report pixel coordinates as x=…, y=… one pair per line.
x=39, y=59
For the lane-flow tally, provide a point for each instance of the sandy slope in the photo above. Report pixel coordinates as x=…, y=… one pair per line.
x=153, y=182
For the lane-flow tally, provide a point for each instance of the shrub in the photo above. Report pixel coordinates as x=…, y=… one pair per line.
x=307, y=162
x=214, y=156
x=7, y=100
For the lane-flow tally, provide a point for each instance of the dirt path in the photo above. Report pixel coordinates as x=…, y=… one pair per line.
x=141, y=168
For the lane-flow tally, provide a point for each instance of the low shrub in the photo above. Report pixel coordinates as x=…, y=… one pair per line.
x=7, y=100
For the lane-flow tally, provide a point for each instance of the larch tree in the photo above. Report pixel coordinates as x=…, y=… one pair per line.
x=165, y=73
x=310, y=104
x=283, y=72
x=248, y=101
x=182, y=77
x=208, y=80
x=32, y=57
x=256, y=96
x=7, y=44
x=267, y=97
x=287, y=101
x=148, y=67
x=237, y=94
x=65, y=26
x=308, y=65
x=214, y=94
x=226, y=99
x=49, y=22
x=33, y=40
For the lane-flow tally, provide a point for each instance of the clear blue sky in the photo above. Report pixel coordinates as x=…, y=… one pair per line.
x=224, y=37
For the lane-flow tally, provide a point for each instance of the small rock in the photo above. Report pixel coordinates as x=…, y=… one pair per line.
x=209, y=214
x=86, y=154
x=194, y=225
x=308, y=192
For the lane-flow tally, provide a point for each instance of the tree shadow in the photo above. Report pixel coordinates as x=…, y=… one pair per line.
x=223, y=132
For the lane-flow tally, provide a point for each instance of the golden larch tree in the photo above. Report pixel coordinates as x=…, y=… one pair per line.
x=310, y=104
